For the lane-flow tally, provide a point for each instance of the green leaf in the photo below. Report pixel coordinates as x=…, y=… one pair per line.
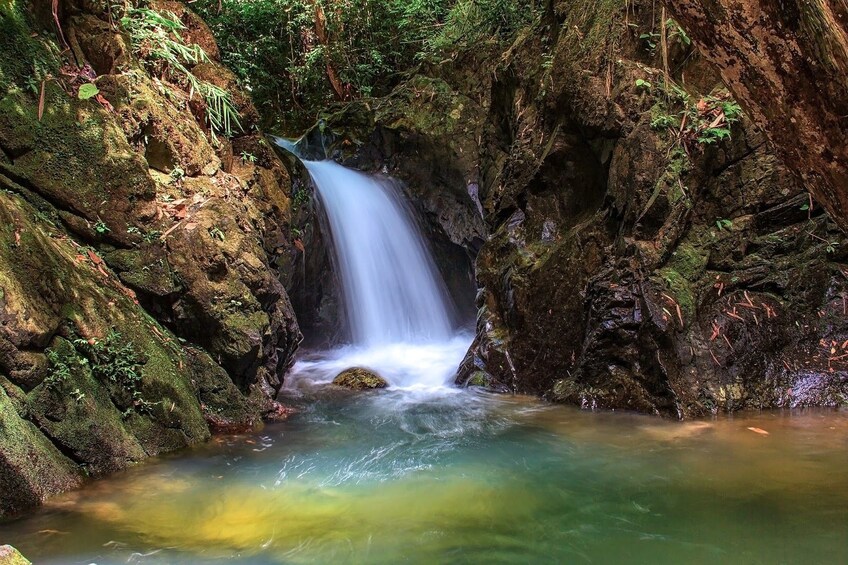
x=87, y=91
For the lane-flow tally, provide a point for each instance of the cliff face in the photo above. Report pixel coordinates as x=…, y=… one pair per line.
x=787, y=63
x=646, y=249
x=140, y=254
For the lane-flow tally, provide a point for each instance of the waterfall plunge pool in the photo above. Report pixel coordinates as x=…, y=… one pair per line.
x=426, y=473
x=411, y=476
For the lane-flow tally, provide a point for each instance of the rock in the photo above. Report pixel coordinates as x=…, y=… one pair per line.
x=11, y=556
x=357, y=378
x=122, y=241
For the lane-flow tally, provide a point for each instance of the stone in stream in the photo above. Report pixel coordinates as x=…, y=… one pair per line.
x=11, y=556
x=357, y=378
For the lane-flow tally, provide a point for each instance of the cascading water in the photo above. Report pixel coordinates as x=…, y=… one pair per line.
x=396, y=303
x=392, y=289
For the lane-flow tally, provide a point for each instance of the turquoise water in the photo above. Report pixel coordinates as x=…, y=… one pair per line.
x=462, y=477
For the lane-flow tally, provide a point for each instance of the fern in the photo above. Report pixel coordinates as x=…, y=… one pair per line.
x=155, y=38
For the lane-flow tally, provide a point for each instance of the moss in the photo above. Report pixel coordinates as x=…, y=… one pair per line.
x=59, y=153
x=145, y=269
x=26, y=60
x=78, y=414
x=689, y=261
x=424, y=105
x=680, y=289
x=358, y=378
x=31, y=468
x=478, y=378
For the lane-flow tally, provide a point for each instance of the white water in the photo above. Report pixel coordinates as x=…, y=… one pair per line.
x=396, y=304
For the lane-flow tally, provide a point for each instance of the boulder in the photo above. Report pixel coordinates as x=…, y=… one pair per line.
x=357, y=378
x=11, y=556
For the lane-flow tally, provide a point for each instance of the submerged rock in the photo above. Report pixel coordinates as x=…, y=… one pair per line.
x=357, y=378
x=11, y=556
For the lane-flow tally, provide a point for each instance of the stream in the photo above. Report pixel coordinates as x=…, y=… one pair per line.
x=402, y=476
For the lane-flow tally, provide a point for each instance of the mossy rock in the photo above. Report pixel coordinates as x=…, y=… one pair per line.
x=478, y=379
x=357, y=378
x=11, y=556
x=31, y=467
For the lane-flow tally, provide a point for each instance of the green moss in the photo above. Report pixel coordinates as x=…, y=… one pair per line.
x=424, y=105
x=478, y=378
x=31, y=468
x=26, y=60
x=680, y=289
x=689, y=261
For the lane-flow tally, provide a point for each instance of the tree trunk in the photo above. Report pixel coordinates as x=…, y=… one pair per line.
x=786, y=62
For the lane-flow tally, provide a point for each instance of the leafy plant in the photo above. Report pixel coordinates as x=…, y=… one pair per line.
x=705, y=121
x=677, y=32
x=650, y=40
x=216, y=233
x=101, y=228
x=724, y=224
x=58, y=370
x=115, y=362
x=247, y=157
x=151, y=236
x=177, y=175
x=156, y=38
x=87, y=91
x=641, y=83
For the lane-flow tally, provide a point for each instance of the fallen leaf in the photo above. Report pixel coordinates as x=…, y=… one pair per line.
x=94, y=257
x=103, y=102
x=299, y=245
x=759, y=431
x=41, y=101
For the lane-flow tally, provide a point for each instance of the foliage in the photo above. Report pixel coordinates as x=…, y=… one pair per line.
x=289, y=52
x=724, y=224
x=156, y=39
x=101, y=228
x=114, y=362
x=677, y=33
x=705, y=121
x=58, y=370
x=216, y=233
x=641, y=83
x=112, y=359
x=88, y=90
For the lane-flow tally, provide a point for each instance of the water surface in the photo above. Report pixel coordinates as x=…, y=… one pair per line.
x=412, y=476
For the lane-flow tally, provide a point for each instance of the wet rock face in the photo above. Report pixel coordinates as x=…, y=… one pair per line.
x=141, y=267
x=625, y=271
x=358, y=378
x=622, y=267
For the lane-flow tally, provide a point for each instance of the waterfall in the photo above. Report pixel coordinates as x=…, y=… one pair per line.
x=396, y=303
x=393, y=292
